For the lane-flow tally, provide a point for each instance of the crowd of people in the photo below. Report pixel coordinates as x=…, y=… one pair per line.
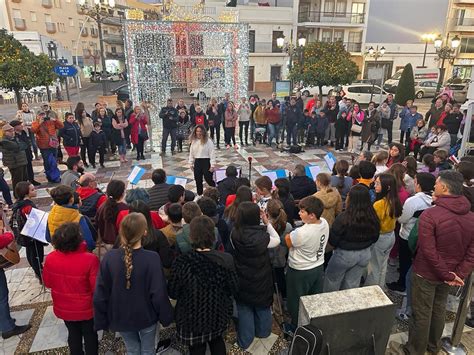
x=222, y=252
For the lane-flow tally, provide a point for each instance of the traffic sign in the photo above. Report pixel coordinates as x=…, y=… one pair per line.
x=65, y=70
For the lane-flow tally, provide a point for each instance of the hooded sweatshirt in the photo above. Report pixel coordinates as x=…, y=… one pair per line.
x=419, y=202
x=445, y=240
x=332, y=202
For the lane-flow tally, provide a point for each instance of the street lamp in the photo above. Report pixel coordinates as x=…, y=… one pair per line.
x=98, y=12
x=445, y=52
x=427, y=38
x=292, y=49
x=376, y=54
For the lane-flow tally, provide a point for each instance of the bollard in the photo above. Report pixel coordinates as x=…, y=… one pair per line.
x=452, y=345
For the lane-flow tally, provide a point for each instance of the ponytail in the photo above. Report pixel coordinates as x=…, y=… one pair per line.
x=115, y=190
x=277, y=214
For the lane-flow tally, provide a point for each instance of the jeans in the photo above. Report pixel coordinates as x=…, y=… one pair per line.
x=379, y=138
x=141, y=342
x=201, y=169
x=378, y=262
x=216, y=345
x=253, y=322
x=272, y=133
x=291, y=135
x=122, y=148
x=5, y=189
x=426, y=326
x=6, y=321
x=244, y=126
x=169, y=132
x=331, y=132
x=454, y=139
x=404, y=256
x=48, y=168
x=229, y=135
x=215, y=131
x=76, y=332
x=252, y=130
x=345, y=269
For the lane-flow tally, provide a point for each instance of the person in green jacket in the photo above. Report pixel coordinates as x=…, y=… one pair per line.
x=14, y=155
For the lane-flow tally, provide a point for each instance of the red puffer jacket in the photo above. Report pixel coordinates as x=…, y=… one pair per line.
x=71, y=278
x=445, y=240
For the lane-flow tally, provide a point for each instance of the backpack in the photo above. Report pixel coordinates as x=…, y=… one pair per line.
x=307, y=340
x=295, y=149
x=17, y=222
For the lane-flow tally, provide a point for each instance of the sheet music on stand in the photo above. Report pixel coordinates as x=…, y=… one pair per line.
x=35, y=226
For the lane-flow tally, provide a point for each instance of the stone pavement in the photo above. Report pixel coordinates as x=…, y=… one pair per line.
x=30, y=303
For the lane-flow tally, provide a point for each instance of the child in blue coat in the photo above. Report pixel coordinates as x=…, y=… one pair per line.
x=321, y=126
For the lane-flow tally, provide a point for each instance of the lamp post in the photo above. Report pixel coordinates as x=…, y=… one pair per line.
x=444, y=53
x=376, y=54
x=98, y=11
x=53, y=55
x=292, y=49
x=427, y=38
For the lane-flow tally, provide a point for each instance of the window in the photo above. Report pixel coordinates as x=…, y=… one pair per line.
x=467, y=45
x=71, y=22
x=354, y=89
x=113, y=49
x=33, y=16
x=16, y=13
x=329, y=6
x=47, y=18
x=57, y=4
x=74, y=44
x=338, y=35
x=275, y=72
x=327, y=36
x=355, y=37
x=341, y=6
x=275, y=35
x=252, y=41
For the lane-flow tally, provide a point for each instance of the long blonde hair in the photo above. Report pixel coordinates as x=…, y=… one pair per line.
x=132, y=230
x=194, y=137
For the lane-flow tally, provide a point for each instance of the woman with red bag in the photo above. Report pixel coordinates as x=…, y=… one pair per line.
x=139, y=130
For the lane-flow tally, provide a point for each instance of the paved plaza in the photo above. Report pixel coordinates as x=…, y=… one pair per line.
x=48, y=335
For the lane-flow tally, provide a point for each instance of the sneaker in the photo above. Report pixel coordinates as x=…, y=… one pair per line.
x=163, y=345
x=397, y=288
x=19, y=329
x=227, y=146
x=236, y=146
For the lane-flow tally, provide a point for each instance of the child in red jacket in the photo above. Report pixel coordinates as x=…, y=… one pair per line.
x=70, y=272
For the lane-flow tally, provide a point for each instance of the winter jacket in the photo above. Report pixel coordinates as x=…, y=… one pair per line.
x=244, y=112
x=106, y=124
x=71, y=134
x=203, y=284
x=158, y=243
x=302, y=186
x=97, y=140
x=138, y=125
x=230, y=119
x=407, y=120
x=331, y=113
x=433, y=115
x=259, y=115
x=170, y=117
x=356, y=118
x=91, y=200
x=370, y=126
x=293, y=115
x=419, y=133
x=119, y=128
x=278, y=254
x=213, y=117
x=158, y=196
x=445, y=240
x=67, y=213
x=14, y=154
x=273, y=115
x=440, y=141
x=44, y=131
x=71, y=276
x=453, y=122
x=143, y=305
x=226, y=187
x=183, y=239
x=254, y=269
x=106, y=229
x=419, y=202
x=321, y=125
x=341, y=237
x=332, y=202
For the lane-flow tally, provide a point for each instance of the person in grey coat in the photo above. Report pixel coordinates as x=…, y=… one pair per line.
x=14, y=155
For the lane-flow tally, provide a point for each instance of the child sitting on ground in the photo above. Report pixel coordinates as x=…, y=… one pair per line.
x=380, y=160
x=306, y=244
x=175, y=225
x=430, y=165
x=440, y=158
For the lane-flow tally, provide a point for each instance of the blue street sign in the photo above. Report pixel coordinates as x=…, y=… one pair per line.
x=65, y=70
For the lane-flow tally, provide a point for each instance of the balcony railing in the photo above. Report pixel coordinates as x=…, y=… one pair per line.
x=20, y=24
x=47, y=3
x=113, y=38
x=114, y=55
x=466, y=21
x=332, y=17
x=353, y=46
x=50, y=27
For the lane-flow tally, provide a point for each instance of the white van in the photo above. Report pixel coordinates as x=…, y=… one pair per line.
x=421, y=75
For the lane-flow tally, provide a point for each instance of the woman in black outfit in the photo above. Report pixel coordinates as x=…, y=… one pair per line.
x=214, y=120
x=203, y=282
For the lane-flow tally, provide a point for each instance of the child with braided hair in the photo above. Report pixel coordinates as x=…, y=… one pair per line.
x=134, y=276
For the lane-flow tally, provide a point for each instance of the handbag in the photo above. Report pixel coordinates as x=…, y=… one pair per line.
x=53, y=141
x=9, y=255
x=356, y=128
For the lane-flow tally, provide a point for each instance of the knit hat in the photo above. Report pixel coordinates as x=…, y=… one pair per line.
x=7, y=127
x=15, y=123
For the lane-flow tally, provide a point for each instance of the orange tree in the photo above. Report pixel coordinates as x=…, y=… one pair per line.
x=21, y=69
x=324, y=64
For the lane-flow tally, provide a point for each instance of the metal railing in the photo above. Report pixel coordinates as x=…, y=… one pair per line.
x=50, y=27
x=465, y=21
x=333, y=17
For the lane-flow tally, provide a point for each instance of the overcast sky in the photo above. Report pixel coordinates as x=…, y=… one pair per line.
x=403, y=21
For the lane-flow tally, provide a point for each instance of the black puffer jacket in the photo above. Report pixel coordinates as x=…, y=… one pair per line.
x=14, y=155
x=302, y=186
x=226, y=187
x=254, y=269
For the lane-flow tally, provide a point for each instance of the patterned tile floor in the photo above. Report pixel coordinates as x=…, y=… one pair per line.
x=29, y=303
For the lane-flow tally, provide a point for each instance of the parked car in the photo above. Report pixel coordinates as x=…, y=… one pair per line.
x=364, y=93
x=97, y=76
x=122, y=92
x=459, y=92
x=419, y=74
x=425, y=89
x=314, y=90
